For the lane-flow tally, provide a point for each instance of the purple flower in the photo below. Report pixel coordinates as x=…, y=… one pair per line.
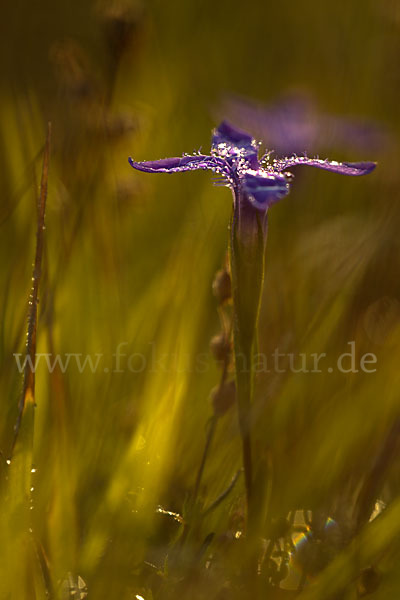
x=256, y=183
x=294, y=123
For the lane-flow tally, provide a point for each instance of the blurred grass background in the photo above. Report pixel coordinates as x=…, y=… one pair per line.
x=130, y=259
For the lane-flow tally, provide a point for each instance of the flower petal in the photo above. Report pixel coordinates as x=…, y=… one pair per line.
x=294, y=124
x=179, y=164
x=229, y=133
x=262, y=189
x=287, y=126
x=229, y=142
x=344, y=168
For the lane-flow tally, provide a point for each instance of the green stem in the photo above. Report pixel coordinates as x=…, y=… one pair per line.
x=247, y=265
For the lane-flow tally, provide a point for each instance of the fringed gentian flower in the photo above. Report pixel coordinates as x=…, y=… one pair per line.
x=256, y=185
x=294, y=123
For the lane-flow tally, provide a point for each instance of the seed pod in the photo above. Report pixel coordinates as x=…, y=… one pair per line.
x=120, y=124
x=220, y=347
x=120, y=26
x=221, y=286
x=72, y=69
x=223, y=397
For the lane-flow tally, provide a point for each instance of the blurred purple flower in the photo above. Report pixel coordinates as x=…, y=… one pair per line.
x=294, y=124
x=255, y=183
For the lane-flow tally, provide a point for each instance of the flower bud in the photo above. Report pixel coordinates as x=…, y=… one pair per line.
x=223, y=397
x=121, y=124
x=220, y=347
x=221, y=286
x=121, y=25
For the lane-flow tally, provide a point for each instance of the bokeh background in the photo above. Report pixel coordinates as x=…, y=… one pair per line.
x=129, y=261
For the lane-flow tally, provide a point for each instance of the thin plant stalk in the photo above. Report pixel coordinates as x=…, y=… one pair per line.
x=211, y=431
x=209, y=439
x=23, y=435
x=210, y=436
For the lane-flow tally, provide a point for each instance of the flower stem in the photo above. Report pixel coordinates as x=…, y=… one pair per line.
x=248, y=235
